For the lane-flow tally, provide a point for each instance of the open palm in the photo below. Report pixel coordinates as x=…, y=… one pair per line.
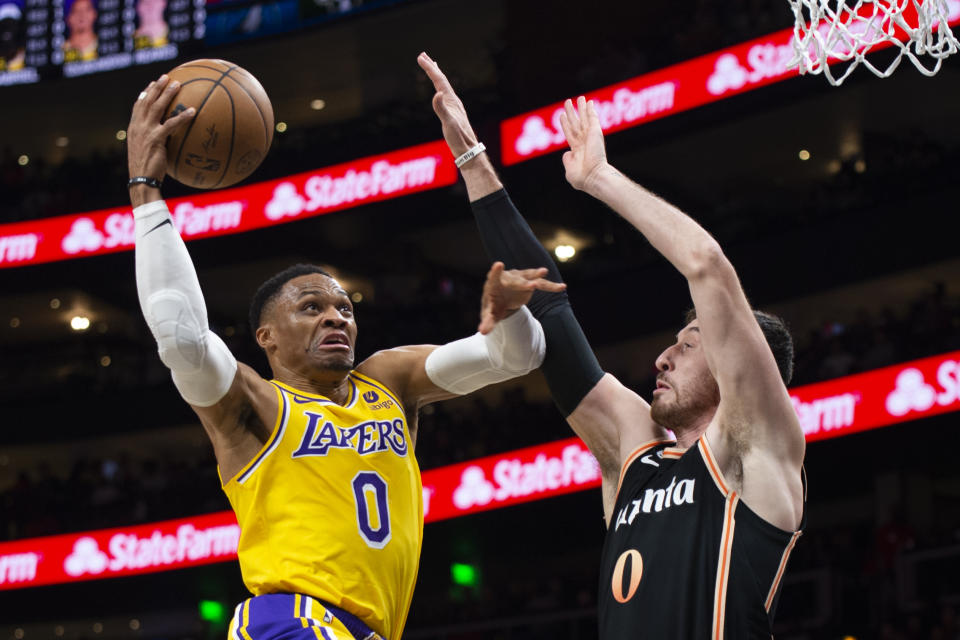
x=587, y=155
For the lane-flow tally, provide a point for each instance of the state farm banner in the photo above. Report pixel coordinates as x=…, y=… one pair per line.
x=878, y=398
x=519, y=476
x=680, y=87
x=497, y=481
x=124, y=551
x=228, y=211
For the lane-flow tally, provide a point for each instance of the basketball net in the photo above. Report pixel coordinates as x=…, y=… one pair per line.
x=831, y=31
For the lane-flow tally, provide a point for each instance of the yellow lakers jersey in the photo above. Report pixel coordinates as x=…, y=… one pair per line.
x=332, y=505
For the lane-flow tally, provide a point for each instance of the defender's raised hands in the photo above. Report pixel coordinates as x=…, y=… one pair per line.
x=505, y=291
x=453, y=116
x=587, y=155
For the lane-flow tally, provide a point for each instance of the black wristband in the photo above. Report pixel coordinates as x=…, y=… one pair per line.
x=150, y=182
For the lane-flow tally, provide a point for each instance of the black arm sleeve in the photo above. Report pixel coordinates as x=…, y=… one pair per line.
x=570, y=366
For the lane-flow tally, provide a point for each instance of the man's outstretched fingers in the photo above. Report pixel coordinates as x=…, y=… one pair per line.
x=155, y=88
x=542, y=284
x=573, y=121
x=178, y=122
x=160, y=105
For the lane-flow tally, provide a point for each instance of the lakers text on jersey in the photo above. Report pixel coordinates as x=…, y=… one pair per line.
x=332, y=506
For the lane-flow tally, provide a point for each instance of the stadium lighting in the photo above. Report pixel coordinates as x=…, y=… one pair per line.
x=465, y=575
x=212, y=611
x=804, y=155
x=79, y=323
x=281, y=127
x=317, y=104
x=564, y=252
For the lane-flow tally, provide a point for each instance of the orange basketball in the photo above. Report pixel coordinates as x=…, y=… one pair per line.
x=232, y=130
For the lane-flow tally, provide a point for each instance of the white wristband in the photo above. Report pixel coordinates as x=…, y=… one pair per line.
x=470, y=154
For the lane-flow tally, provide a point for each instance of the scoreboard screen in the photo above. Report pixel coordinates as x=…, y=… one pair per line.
x=42, y=39
x=53, y=38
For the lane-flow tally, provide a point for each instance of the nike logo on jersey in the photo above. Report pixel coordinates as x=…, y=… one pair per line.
x=372, y=436
x=167, y=221
x=656, y=500
x=648, y=459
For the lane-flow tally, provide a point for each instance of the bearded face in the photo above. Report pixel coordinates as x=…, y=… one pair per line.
x=686, y=390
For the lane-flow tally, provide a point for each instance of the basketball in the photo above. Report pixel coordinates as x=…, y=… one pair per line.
x=232, y=130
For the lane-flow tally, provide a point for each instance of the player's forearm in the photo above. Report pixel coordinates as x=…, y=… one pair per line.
x=480, y=177
x=673, y=233
x=202, y=366
x=570, y=366
x=162, y=260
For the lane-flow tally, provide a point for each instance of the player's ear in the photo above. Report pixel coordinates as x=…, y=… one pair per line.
x=265, y=336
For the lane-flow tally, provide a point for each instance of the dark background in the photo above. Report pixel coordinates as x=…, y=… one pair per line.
x=856, y=248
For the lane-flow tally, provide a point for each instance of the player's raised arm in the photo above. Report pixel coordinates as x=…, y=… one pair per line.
x=509, y=343
x=610, y=418
x=755, y=416
x=225, y=395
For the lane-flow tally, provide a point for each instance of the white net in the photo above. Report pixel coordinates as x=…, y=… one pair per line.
x=832, y=32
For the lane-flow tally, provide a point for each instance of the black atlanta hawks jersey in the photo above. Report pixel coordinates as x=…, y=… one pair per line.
x=684, y=558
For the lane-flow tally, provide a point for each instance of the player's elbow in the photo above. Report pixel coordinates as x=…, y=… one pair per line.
x=708, y=261
x=519, y=357
x=181, y=336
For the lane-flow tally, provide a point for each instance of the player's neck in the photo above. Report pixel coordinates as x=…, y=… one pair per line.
x=334, y=385
x=688, y=434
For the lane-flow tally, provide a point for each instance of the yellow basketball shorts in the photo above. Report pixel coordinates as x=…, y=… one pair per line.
x=292, y=616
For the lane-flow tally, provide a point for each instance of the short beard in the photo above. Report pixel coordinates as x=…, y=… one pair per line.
x=680, y=416
x=673, y=416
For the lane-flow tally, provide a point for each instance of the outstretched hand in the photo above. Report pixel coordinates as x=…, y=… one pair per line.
x=453, y=116
x=505, y=291
x=587, y=156
x=147, y=132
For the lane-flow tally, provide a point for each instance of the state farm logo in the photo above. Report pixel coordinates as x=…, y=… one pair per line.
x=515, y=479
x=285, y=202
x=83, y=237
x=764, y=60
x=323, y=191
x=728, y=74
x=119, y=229
x=128, y=551
x=537, y=136
x=913, y=393
x=624, y=106
x=86, y=558
x=474, y=489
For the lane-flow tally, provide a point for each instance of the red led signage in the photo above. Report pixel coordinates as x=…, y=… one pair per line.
x=228, y=211
x=680, y=87
x=828, y=409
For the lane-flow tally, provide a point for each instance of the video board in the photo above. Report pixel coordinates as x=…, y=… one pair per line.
x=42, y=39
x=53, y=38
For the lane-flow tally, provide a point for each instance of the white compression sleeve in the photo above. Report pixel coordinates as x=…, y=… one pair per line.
x=516, y=346
x=202, y=366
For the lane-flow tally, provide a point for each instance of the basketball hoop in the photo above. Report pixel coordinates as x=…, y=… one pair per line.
x=829, y=31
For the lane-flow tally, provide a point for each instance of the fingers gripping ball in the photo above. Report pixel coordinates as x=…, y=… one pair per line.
x=233, y=128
